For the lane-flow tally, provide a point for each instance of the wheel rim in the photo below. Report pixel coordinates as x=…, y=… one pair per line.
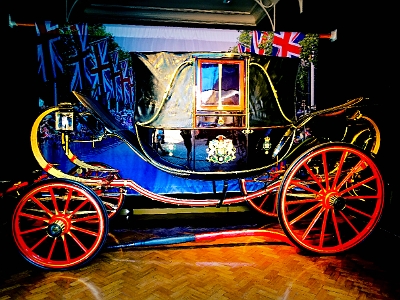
x=59, y=225
x=112, y=197
x=337, y=193
x=267, y=203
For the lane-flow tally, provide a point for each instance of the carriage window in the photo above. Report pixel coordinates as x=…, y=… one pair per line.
x=220, y=85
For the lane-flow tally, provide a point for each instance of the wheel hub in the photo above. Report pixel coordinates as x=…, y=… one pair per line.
x=55, y=229
x=337, y=202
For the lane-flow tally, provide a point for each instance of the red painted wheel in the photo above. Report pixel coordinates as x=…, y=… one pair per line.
x=59, y=224
x=112, y=197
x=266, y=204
x=335, y=193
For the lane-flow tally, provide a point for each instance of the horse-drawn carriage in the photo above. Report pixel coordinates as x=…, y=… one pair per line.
x=217, y=118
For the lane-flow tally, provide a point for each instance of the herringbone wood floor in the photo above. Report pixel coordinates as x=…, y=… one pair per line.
x=241, y=268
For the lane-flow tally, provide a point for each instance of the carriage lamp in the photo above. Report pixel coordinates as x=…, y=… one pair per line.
x=267, y=144
x=65, y=117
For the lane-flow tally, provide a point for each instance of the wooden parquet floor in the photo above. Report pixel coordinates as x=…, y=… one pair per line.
x=240, y=268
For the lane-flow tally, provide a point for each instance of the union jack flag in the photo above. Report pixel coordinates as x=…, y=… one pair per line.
x=258, y=37
x=116, y=76
x=78, y=60
x=132, y=85
x=125, y=81
x=101, y=71
x=243, y=48
x=286, y=44
x=50, y=63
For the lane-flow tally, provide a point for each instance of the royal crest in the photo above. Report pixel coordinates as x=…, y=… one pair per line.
x=221, y=150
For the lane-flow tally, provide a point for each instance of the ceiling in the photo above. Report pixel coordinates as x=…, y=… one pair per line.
x=287, y=15
x=200, y=12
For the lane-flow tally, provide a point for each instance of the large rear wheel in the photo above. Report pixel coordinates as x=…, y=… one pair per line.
x=59, y=224
x=335, y=194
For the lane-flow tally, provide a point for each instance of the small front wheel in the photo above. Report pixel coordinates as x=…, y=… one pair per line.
x=335, y=194
x=59, y=224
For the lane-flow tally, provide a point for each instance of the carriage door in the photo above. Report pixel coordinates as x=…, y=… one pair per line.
x=220, y=110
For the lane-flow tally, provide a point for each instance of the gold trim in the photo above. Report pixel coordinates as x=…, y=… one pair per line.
x=73, y=158
x=37, y=153
x=273, y=90
x=185, y=173
x=377, y=142
x=165, y=96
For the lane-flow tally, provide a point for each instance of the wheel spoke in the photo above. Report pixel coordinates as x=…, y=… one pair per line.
x=357, y=185
x=38, y=243
x=53, y=198
x=311, y=225
x=360, y=197
x=354, y=170
x=79, y=207
x=92, y=217
x=264, y=200
x=313, y=176
x=335, y=224
x=326, y=172
x=299, y=184
x=40, y=204
x=67, y=201
x=33, y=230
x=339, y=169
x=303, y=201
x=349, y=222
x=322, y=237
x=78, y=242
x=359, y=211
x=305, y=213
x=66, y=249
x=52, y=249
x=84, y=231
x=29, y=216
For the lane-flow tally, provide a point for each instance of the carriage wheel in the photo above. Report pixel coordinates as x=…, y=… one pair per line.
x=112, y=197
x=59, y=224
x=337, y=192
x=267, y=203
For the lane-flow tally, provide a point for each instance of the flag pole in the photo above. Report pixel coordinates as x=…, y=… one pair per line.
x=312, y=92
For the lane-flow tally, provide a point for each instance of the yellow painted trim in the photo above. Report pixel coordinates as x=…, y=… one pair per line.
x=37, y=153
x=73, y=158
x=377, y=142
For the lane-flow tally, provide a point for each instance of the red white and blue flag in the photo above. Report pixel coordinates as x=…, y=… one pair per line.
x=78, y=59
x=286, y=44
x=243, y=48
x=125, y=81
x=100, y=70
x=256, y=41
x=116, y=76
x=132, y=85
x=50, y=64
